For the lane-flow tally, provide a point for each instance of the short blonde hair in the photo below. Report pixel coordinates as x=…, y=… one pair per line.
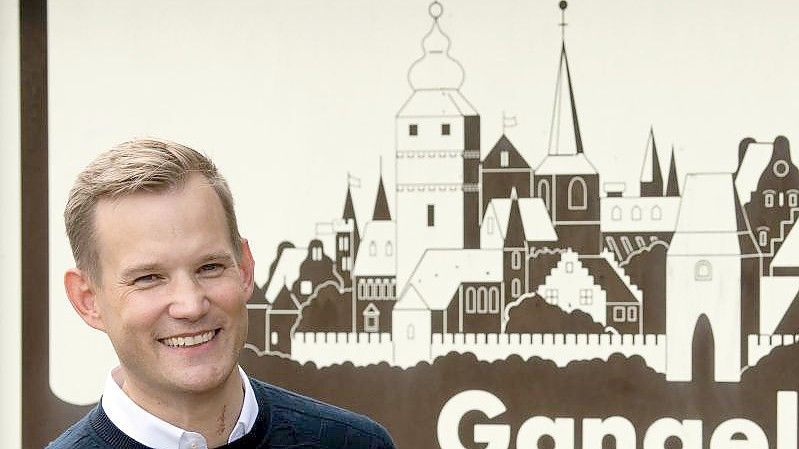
x=142, y=165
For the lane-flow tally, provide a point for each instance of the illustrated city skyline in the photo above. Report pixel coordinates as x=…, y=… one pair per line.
x=501, y=256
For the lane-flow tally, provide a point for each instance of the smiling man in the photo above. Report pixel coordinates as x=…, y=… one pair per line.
x=162, y=270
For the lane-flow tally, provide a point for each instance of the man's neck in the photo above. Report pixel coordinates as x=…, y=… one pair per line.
x=211, y=414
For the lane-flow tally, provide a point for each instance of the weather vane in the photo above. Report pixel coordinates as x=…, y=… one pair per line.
x=563, y=5
x=436, y=9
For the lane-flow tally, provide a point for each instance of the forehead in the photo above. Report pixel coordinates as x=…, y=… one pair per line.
x=171, y=221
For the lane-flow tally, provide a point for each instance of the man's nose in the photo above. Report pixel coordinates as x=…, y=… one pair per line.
x=189, y=300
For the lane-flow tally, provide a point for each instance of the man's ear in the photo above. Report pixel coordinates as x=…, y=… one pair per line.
x=82, y=295
x=247, y=267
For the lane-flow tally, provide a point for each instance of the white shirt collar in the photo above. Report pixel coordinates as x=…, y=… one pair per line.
x=154, y=432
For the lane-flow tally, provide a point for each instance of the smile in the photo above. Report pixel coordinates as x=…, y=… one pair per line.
x=188, y=341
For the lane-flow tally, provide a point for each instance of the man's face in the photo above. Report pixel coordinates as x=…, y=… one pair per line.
x=172, y=295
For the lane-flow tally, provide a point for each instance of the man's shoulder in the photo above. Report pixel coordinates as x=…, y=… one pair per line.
x=290, y=410
x=79, y=435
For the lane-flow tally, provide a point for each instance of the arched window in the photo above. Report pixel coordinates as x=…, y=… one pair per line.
x=615, y=214
x=656, y=213
x=543, y=191
x=361, y=288
x=515, y=288
x=372, y=248
x=493, y=300
x=410, y=332
x=371, y=318
x=471, y=301
x=762, y=236
x=768, y=198
x=316, y=253
x=516, y=260
x=482, y=300
x=632, y=314
x=577, y=194
x=703, y=271
x=636, y=213
x=389, y=249
x=793, y=198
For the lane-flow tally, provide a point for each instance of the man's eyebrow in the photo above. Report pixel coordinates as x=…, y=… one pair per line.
x=218, y=256
x=137, y=269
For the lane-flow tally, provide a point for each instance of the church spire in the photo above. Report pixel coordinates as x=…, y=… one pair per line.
x=381, y=211
x=673, y=187
x=349, y=209
x=514, y=236
x=651, y=178
x=564, y=110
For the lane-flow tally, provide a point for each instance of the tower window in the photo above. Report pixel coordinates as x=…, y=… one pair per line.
x=636, y=213
x=413, y=129
x=793, y=196
x=577, y=194
x=445, y=129
x=516, y=260
x=780, y=168
x=344, y=243
x=372, y=248
x=768, y=198
x=389, y=249
x=431, y=215
x=762, y=236
x=515, y=288
x=703, y=271
x=615, y=214
x=503, y=158
x=543, y=191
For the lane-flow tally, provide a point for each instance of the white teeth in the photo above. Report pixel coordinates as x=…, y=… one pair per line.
x=180, y=342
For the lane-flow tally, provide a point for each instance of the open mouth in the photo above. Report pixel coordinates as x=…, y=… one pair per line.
x=187, y=341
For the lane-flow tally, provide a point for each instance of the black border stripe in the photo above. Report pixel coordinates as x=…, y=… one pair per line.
x=44, y=416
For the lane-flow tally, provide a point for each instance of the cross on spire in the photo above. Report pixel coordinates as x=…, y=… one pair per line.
x=563, y=5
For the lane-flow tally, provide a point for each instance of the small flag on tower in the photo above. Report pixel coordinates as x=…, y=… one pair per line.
x=508, y=121
x=353, y=181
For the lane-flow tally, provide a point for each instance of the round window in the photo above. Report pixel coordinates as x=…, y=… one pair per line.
x=781, y=168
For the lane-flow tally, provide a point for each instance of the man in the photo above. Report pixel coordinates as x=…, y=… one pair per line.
x=162, y=270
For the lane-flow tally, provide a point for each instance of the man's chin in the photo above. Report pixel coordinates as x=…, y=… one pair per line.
x=200, y=379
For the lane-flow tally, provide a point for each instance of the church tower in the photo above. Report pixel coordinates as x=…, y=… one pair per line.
x=566, y=180
x=348, y=238
x=437, y=158
x=774, y=206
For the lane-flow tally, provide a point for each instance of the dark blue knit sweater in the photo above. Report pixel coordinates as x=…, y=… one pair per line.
x=285, y=420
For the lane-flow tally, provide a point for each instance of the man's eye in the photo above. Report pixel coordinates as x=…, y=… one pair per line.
x=146, y=279
x=211, y=269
